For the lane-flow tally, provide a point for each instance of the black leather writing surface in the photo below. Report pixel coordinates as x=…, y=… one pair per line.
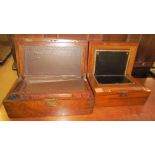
x=111, y=62
x=112, y=79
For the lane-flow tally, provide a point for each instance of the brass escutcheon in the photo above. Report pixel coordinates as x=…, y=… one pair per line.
x=51, y=102
x=123, y=94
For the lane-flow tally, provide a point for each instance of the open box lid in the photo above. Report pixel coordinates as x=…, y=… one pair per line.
x=111, y=58
x=40, y=57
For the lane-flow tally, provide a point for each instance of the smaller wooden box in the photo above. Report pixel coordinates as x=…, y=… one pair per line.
x=109, y=74
x=52, y=79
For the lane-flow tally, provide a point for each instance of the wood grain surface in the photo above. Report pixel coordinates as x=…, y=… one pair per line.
x=144, y=112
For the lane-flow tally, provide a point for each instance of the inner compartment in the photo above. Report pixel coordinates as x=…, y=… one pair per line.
x=27, y=89
x=112, y=79
x=110, y=66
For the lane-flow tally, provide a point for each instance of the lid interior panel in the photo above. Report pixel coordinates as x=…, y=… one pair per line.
x=110, y=66
x=111, y=62
x=52, y=60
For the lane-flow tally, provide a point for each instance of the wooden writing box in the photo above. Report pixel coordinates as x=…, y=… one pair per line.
x=109, y=74
x=52, y=79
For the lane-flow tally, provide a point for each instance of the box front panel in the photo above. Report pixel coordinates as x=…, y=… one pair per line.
x=48, y=107
x=123, y=98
